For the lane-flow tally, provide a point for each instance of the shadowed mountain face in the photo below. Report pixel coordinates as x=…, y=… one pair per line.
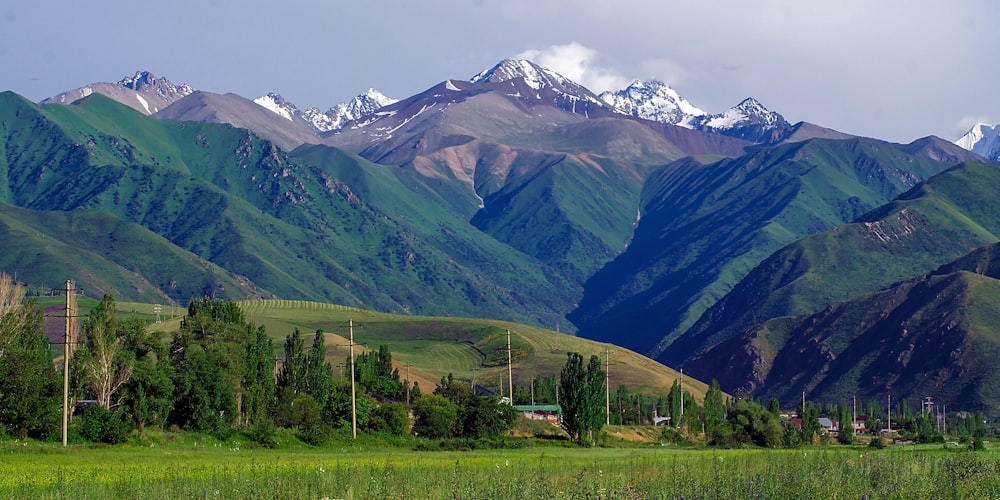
x=705, y=226
x=932, y=224
x=932, y=335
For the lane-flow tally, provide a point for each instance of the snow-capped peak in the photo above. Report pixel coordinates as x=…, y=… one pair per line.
x=653, y=100
x=534, y=75
x=275, y=103
x=362, y=106
x=144, y=81
x=748, y=112
x=984, y=140
x=139, y=80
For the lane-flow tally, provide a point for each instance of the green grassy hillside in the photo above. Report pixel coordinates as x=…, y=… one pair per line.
x=287, y=227
x=932, y=224
x=705, y=226
x=105, y=255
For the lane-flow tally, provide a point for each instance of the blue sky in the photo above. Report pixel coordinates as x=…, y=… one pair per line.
x=892, y=69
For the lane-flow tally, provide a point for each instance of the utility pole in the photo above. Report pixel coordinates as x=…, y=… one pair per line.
x=681, y=385
x=607, y=386
x=889, y=413
x=408, y=384
x=68, y=338
x=532, y=392
x=854, y=413
x=510, y=376
x=354, y=407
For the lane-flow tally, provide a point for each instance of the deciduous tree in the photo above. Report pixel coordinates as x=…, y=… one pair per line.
x=107, y=362
x=29, y=390
x=581, y=391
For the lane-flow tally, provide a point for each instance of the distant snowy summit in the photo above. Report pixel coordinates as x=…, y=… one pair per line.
x=362, y=106
x=142, y=91
x=984, y=140
x=146, y=82
x=748, y=120
x=648, y=100
x=536, y=77
x=654, y=101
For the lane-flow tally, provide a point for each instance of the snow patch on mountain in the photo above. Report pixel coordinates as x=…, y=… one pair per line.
x=278, y=105
x=984, y=140
x=144, y=81
x=534, y=75
x=362, y=106
x=655, y=101
x=145, y=104
x=537, y=78
x=748, y=112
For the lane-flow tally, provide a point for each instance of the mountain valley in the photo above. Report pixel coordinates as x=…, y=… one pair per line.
x=723, y=243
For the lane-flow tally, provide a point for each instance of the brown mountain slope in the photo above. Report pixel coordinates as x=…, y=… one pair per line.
x=241, y=113
x=936, y=335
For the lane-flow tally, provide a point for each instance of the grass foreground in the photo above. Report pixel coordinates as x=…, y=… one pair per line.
x=188, y=466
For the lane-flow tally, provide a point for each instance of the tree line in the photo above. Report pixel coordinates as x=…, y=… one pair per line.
x=219, y=374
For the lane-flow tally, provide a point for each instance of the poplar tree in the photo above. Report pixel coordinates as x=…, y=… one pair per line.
x=318, y=373
x=292, y=375
x=581, y=392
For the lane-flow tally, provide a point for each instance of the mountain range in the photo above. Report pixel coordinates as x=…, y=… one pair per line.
x=632, y=217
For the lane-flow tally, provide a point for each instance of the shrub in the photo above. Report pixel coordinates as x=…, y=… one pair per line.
x=435, y=416
x=263, y=433
x=316, y=434
x=100, y=425
x=977, y=444
x=390, y=418
x=673, y=436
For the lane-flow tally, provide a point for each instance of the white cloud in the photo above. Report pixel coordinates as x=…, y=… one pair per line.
x=578, y=63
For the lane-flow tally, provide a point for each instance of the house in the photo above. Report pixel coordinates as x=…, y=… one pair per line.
x=830, y=426
x=826, y=425
x=860, y=424
x=548, y=413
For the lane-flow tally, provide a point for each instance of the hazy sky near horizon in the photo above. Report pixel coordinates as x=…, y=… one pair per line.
x=892, y=69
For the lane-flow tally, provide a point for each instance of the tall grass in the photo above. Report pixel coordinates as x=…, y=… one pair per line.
x=232, y=471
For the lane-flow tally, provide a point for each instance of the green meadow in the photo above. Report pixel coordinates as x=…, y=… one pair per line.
x=192, y=467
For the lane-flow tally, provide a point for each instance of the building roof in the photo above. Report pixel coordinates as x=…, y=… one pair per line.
x=538, y=408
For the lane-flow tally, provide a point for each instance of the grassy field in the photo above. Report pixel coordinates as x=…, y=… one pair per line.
x=190, y=467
